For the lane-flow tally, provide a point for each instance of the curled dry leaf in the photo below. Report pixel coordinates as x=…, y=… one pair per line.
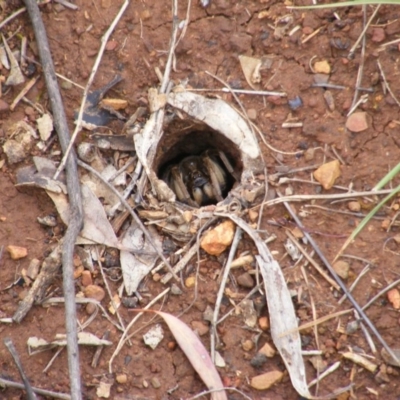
x=197, y=355
x=284, y=327
x=251, y=70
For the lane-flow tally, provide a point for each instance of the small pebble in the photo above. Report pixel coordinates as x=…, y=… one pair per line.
x=111, y=45
x=322, y=67
x=258, y=360
x=295, y=103
x=201, y=328
x=86, y=278
x=247, y=345
x=252, y=114
x=267, y=350
x=342, y=268
x=263, y=322
x=265, y=381
x=176, y=290
x=216, y=240
x=245, y=280
x=190, y=281
x=155, y=382
x=94, y=292
x=393, y=296
x=121, y=378
x=354, y=206
x=327, y=174
x=357, y=122
x=378, y=35
x=17, y=252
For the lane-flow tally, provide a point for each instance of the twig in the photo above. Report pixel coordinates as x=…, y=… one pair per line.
x=362, y=34
x=303, y=197
x=108, y=289
x=42, y=392
x=29, y=392
x=99, y=350
x=74, y=193
x=104, y=40
x=23, y=92
x=171, y=54
x=232, y=252
x=328, y=371
x=132, y=213
x=351, y=55
x=313, y=262
x=354, y=284
x=243, y=91
x=386, y=83
x=340, y=283
x=122, y=340
x=67, y=4
x=19, y=12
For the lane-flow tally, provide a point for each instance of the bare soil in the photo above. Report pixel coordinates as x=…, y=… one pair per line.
x=215, y=37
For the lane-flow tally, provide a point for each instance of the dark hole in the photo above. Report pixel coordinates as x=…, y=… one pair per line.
x=187, y=152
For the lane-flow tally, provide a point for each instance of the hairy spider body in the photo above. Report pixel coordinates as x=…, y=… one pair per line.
x=199, y=180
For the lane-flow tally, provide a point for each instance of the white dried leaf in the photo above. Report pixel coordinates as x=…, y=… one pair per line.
x=104, y=390
x=136, y=267
x=45, y=126
x=154, y=336
x=292, y=250
x=251, y=70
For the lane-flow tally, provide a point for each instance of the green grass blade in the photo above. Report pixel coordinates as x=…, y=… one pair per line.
x=366, y=219
x=387, y=178
x=346, y=4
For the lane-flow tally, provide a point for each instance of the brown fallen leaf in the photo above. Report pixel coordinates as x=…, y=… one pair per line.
x=196, y=354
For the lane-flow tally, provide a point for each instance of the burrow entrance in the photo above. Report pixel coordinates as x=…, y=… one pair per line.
x=182, y=140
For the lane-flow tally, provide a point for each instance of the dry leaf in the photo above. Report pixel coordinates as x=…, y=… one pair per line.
x=251, y=70
x=283, y=320
x=196, y=353
x=45, y=126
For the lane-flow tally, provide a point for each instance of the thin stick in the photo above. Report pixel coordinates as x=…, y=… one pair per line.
x=74, y=193
x=354, y=284
x=171, y=54
x=108, y=288
x=232, y=252
x=137, y=316
x=10, y=346
x=313, y=262
x=42, y=392
x=23, y=92
x=386, y=83
x=19, y=12
x=244, y=91
x=303, y=197
x=340, y=283
x=328, y=371
x=362, y=34
x=132, y=213
x=78, y=126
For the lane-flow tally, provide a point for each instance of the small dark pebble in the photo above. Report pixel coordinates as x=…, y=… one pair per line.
x=302, y=146
x=305, y=340
x=258, y=360
x=127, y=360
x=130, y=302
x=295, y=103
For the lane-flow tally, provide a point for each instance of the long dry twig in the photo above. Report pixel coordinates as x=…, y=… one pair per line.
x=43, y=392
x=232, y=252
x=104, y=40
x=340, y=282
x=74, y=192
